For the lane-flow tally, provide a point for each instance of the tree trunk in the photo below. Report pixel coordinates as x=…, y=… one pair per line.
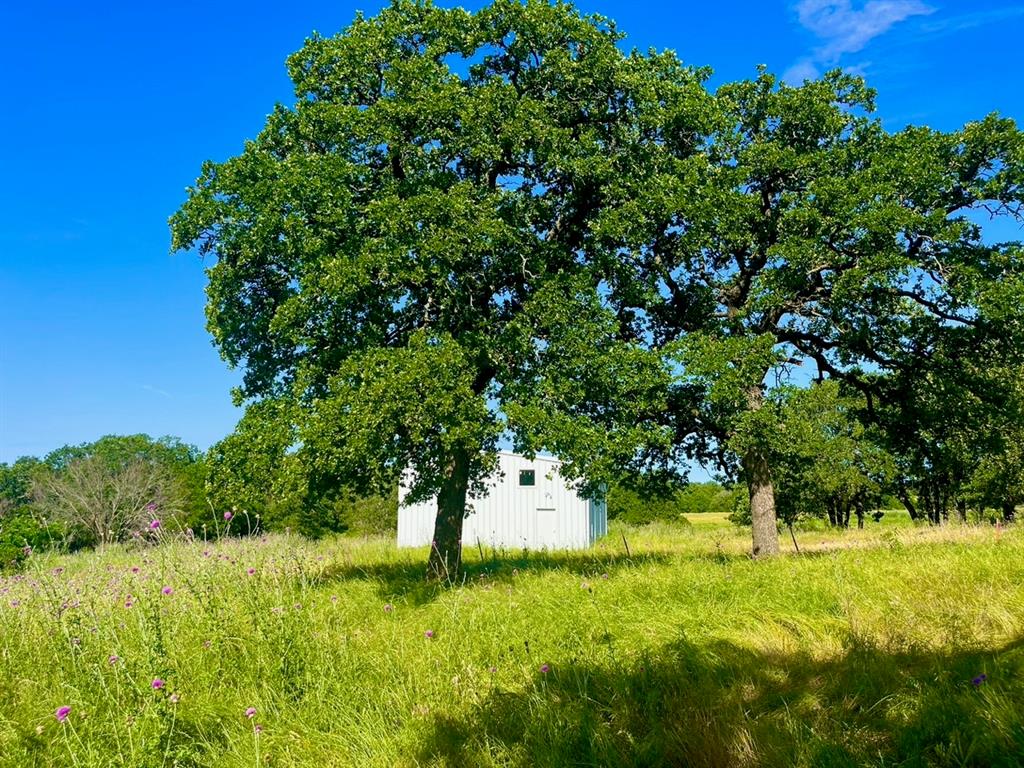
x=762, y=492
x=846, y=514
x=858, y=505
x=446, y=549
x=833, y=519
x=762, y=505
x=1009, y=511
x=904, y=496
x=961, y=511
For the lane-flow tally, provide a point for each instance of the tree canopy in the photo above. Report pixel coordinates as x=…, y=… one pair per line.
x=378, y=245
x=471, y=226
x=806, y=233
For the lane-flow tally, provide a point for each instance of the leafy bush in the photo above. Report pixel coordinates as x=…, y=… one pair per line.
x=20, y=535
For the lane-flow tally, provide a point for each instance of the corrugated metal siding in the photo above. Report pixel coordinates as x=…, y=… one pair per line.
x=548, y=515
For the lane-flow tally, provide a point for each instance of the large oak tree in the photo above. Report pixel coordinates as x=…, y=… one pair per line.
x=378, y=246
x=806, y=233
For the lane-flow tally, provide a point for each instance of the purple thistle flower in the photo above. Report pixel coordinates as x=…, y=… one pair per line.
x=168, y=590
x=62, y=713
x=545, y=668
x=251, y=571
x=157, y=683
x=151, y=507
x=250, y=712
x=979, y=680
x=429, y=634
x=154, y=525
x=228, y=515
x=114, y=658
x=258, y=728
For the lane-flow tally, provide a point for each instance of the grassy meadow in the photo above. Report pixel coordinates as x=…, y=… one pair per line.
x=892, y=646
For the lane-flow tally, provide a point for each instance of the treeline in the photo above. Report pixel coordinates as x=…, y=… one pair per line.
x=638, y=508
x=134, y=487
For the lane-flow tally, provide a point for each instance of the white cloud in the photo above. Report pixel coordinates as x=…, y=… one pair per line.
x=844, y=29
x=804, y=69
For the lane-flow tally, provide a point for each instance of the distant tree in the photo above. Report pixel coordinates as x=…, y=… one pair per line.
x=829, y=463
x=806, y=232
x=100, y=504
x=100, y=490
x=21, y=531
x=378, y=245
x=16, y=482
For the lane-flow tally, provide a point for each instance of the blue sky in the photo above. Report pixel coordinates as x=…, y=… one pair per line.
x=109, y=111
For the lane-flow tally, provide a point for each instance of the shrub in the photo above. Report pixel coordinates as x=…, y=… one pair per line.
x=20, y=535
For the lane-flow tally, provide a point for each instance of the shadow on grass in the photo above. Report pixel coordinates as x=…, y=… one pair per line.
x=724, y=705
x=406, y=578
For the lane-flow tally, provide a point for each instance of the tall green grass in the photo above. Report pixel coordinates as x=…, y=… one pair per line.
x=863, y=650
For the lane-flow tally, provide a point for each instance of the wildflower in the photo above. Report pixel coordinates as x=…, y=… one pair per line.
x=27, y=550
x=250, y=712
x=168, y=590
x=388, y=607
x=207, y=643
x=135, y=569
x=493, y=670
x=604, y=575
x=154, y=525
x=151, y=507
x=174, y=698
x=128, y=603
x=58, y=571
x=157, y=683
x=251, y=571
x=334, y=598
x=62, y=713
x=228, y=515
x=545, y=668
x=258, y=728
x=429, y=634
x=979, y=680
x=114, y=658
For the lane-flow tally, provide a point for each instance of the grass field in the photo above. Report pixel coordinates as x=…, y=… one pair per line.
x=867, y=649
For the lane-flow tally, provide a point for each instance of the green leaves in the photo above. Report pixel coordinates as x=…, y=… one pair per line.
x=384, y=247
x=387, y=410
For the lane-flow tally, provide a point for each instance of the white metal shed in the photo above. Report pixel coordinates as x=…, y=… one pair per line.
x=527, y=505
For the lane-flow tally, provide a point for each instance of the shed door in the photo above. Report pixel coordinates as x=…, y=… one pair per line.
x=547, y=508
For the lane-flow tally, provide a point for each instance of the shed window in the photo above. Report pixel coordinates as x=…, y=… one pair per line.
x=527, y=477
